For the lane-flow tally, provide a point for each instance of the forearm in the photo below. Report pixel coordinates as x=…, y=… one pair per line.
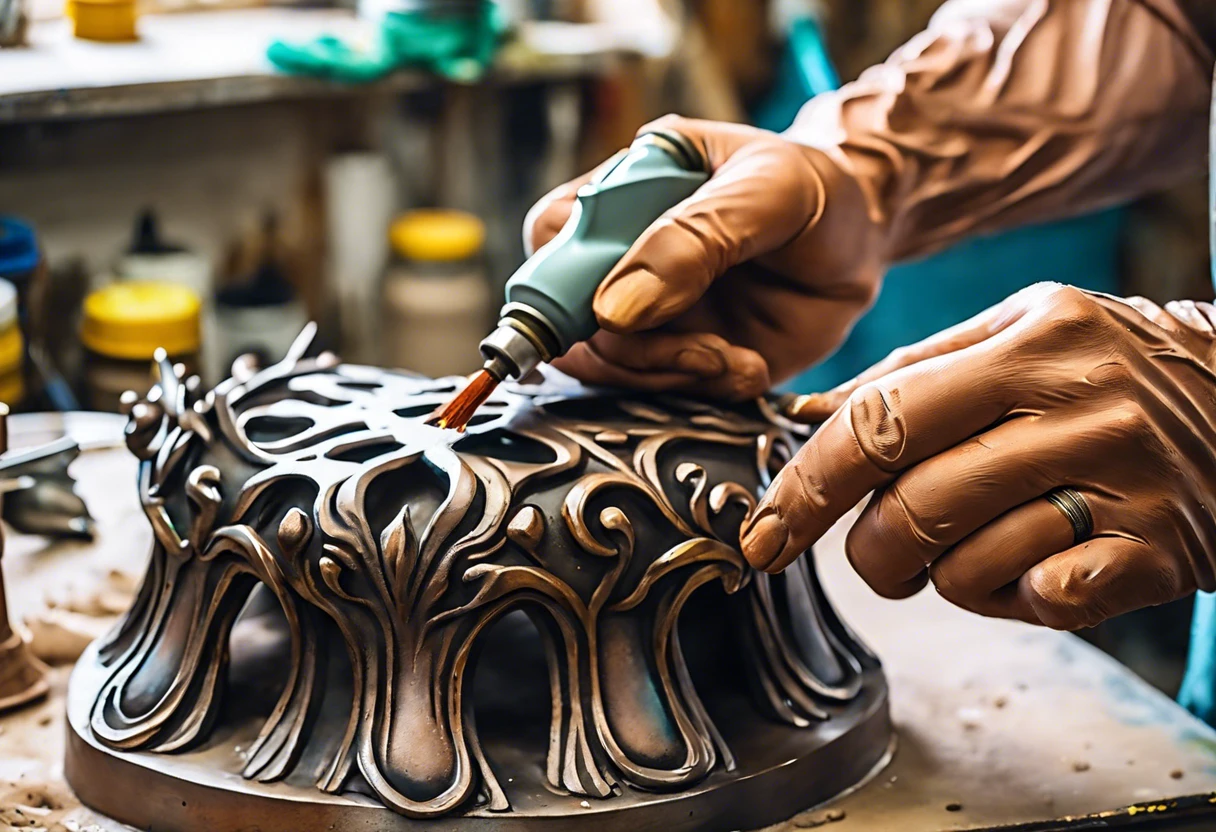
x=1010, y=111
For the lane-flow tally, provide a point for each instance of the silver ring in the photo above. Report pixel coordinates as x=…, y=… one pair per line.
x=1074, y=508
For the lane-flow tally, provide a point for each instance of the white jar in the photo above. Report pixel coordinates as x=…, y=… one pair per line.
x=437, y=300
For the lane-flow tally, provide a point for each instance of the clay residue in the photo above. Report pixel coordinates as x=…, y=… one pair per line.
x=42, y=806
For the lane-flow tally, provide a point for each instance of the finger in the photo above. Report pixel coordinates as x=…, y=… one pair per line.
x=702, y=364
x=817, y=407
x=885, y=427
x=1198, y=316
x=761, y=195
x=737, y=372
x=1097, y=580
x=547, y=217
x=934, y=505
x=981, y=572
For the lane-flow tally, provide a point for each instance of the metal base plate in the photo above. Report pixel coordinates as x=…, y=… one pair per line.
x=781, y=771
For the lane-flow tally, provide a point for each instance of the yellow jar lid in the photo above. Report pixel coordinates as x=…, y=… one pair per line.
x=131, y=320
x=437, y=235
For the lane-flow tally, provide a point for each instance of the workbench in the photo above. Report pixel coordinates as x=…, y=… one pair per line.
x=1001, y=725
x=188, y=60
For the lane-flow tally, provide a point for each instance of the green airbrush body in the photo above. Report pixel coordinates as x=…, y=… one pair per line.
x=549, y=299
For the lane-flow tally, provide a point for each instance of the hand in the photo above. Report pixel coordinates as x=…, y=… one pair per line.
x=961, y=436
x=760, y=273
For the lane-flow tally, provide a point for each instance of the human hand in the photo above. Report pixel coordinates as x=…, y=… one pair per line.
x=962, y=436
x=760, y=273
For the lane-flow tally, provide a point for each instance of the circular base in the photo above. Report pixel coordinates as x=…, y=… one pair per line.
x=780, y=771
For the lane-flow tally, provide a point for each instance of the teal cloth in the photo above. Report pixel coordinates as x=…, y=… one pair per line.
x=1198, y=691
x=459, y=47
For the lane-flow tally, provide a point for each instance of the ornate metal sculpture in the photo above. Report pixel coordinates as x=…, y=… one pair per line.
x=394, y=548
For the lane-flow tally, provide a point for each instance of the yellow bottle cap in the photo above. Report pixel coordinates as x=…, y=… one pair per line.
x=436, y=236
x=130, y=320
x=103, y=20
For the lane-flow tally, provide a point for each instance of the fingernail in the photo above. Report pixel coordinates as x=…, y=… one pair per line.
x=764, y=538
x=704, y=362
x=628, y=302
x=809, y=406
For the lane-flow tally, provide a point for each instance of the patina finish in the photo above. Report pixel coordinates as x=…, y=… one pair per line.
x=403, y=558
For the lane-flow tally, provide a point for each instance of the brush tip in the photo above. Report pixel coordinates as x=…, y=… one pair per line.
x=455, y=415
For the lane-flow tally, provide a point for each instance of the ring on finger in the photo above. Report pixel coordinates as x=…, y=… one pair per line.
x=1074, y=508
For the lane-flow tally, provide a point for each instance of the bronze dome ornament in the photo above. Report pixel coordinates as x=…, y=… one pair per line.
x=352, y=618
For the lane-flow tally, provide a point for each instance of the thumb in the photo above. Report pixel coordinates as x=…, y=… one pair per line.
x=762, y=192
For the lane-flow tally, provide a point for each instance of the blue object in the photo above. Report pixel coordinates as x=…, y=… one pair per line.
x=923, y=297
x=18, y=250
x=1198, y=691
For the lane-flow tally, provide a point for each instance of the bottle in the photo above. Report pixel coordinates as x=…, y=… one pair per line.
x=437, y=299
x=259, y=312
x=123, y=326
x=12, y=348
x=151, y=257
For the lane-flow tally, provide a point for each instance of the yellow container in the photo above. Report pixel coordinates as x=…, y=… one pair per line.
x=437, y=236
x=130, y=320
x=123, y=326
x=12, y=348
x=105, y=20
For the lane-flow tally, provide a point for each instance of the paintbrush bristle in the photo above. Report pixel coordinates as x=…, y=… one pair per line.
x=456, y=414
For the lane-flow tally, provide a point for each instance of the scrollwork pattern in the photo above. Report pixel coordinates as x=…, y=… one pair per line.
x=599, y=516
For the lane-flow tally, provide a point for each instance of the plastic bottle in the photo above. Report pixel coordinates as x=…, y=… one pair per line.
x=437, y=299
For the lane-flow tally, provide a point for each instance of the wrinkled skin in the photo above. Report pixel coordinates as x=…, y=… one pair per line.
x=961, y=436
x=715, y=297
x=1002, y=112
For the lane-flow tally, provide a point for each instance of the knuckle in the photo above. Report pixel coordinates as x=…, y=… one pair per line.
x=873, y=574
x=921, y=525
x=952, y=585
x=1129, y=421
x=877, y=426
x=1074, y=306
x=668, y=121
x=1065, y=598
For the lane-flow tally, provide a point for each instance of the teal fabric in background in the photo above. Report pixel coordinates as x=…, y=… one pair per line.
x=924, y=297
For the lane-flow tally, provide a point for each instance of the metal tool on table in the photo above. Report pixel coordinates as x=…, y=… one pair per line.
x=37, y=496
x=549, y=299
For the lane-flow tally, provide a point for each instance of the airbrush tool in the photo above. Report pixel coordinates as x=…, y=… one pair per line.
x=549, y=299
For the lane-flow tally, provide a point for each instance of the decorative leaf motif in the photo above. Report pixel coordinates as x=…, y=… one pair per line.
x=385, y=533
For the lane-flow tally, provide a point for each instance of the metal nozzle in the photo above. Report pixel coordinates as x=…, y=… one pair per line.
x=522, y=340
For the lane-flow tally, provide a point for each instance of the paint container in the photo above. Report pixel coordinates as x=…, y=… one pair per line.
x=12, y=348
x=259, y=313
x=360, y=202
x=124, y=324
x=150, y=257
x=103, y=20
x=437, y=299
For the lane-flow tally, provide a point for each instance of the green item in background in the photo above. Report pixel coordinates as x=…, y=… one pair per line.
x=458, y=45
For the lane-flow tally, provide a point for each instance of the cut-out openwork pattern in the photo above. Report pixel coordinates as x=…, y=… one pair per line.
x=599, y=516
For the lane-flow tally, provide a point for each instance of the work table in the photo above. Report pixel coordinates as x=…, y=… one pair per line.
x=1001, y=725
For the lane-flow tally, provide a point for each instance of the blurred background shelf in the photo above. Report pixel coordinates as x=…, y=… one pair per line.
x=189, y=61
